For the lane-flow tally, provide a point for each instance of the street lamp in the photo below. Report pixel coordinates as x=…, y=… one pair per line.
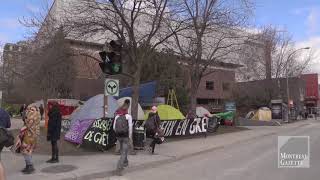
x=287, y=64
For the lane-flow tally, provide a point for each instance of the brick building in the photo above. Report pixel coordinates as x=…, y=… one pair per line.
x=312, y=91
x=214, y=88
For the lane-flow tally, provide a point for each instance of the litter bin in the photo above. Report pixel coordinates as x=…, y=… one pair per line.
x=138, y=138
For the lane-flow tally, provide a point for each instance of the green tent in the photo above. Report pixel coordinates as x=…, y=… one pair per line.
x=167, y=112
x=225, y=115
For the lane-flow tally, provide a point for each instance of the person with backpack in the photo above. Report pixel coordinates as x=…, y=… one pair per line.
x=153, y=129
x=123, y=110
x=54, y=131
x=122, y=127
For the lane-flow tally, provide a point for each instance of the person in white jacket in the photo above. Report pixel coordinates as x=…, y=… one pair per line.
x=124, y=138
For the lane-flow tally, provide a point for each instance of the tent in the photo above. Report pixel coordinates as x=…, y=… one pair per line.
x=262, y=114
x=225, y=115
x=78, y=130
x=140, y=111
x=93, y=109
x=37, y=103
x=167, y=112
x=201, y=112
x=147, y=92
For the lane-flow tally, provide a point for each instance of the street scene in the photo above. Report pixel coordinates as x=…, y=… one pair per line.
x=162, y=89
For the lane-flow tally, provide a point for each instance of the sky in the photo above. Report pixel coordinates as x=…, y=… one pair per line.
x=301, y=18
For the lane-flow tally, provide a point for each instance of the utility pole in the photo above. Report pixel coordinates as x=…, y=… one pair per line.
x=287, y=78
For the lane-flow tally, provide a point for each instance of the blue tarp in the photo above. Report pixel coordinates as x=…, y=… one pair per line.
x=147, y=92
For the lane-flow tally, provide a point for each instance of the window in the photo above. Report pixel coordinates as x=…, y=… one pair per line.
x=210, y=85
x=205, y=101
x=226, y=86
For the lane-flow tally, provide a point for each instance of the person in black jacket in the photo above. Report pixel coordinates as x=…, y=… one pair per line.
x=41, y=109
x=152, y=127
x=54, y=129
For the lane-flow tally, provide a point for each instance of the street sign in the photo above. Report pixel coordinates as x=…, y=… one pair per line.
x=111, y=87
x=230, y=106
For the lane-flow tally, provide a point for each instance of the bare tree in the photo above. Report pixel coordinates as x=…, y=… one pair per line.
x=50, y=70
x=276, y=45
x=140, y=26
x=212, y=35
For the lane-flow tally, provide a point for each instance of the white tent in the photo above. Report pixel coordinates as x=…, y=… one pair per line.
x=93, y=109
x=201, y=112
x=140, y=111
x=37, y=103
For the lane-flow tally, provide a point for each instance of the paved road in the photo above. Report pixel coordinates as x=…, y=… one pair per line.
x=251, y=160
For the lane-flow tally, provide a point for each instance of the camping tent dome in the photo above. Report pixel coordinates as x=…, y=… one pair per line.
x=167, y=112
x=140, y=111
x=93, y=109
x=201, y=112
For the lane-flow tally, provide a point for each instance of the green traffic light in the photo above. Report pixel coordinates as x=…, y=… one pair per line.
x=116, y=68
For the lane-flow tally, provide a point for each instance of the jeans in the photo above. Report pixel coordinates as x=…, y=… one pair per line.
x=28, y=159
x=130, y=144
x=124, y=148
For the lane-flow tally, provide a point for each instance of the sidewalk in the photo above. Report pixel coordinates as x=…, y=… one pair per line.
x=102, y=165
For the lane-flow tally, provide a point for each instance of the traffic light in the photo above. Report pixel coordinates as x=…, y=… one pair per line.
x=111, y=59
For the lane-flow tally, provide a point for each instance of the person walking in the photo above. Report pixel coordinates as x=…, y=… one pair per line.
x=5, y=123
x=123, y=110
x=54, y=130
x=28, y=137
x=41, y=110
x=6, y=138
x=122, y=127
x=153, y=129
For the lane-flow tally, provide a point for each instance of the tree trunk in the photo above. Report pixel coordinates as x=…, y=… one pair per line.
x=193, y=101
x=135, y=95
x=193, y=94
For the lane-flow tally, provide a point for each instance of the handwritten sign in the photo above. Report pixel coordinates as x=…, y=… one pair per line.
x=100, y=135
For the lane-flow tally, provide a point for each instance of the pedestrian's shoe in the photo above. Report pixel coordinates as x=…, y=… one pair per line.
x=25, y=169
x=50, y=160
x=56, y=160
x=126, y=164
x=29, y=170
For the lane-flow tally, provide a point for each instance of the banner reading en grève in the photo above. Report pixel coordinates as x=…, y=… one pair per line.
x=101, y=136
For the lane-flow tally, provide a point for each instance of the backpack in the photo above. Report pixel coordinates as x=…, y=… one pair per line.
x=6, y=138
x=122, y=126
x=150, y=124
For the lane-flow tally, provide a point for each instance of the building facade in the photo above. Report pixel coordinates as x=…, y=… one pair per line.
x=312, y=92
x=11, y=75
